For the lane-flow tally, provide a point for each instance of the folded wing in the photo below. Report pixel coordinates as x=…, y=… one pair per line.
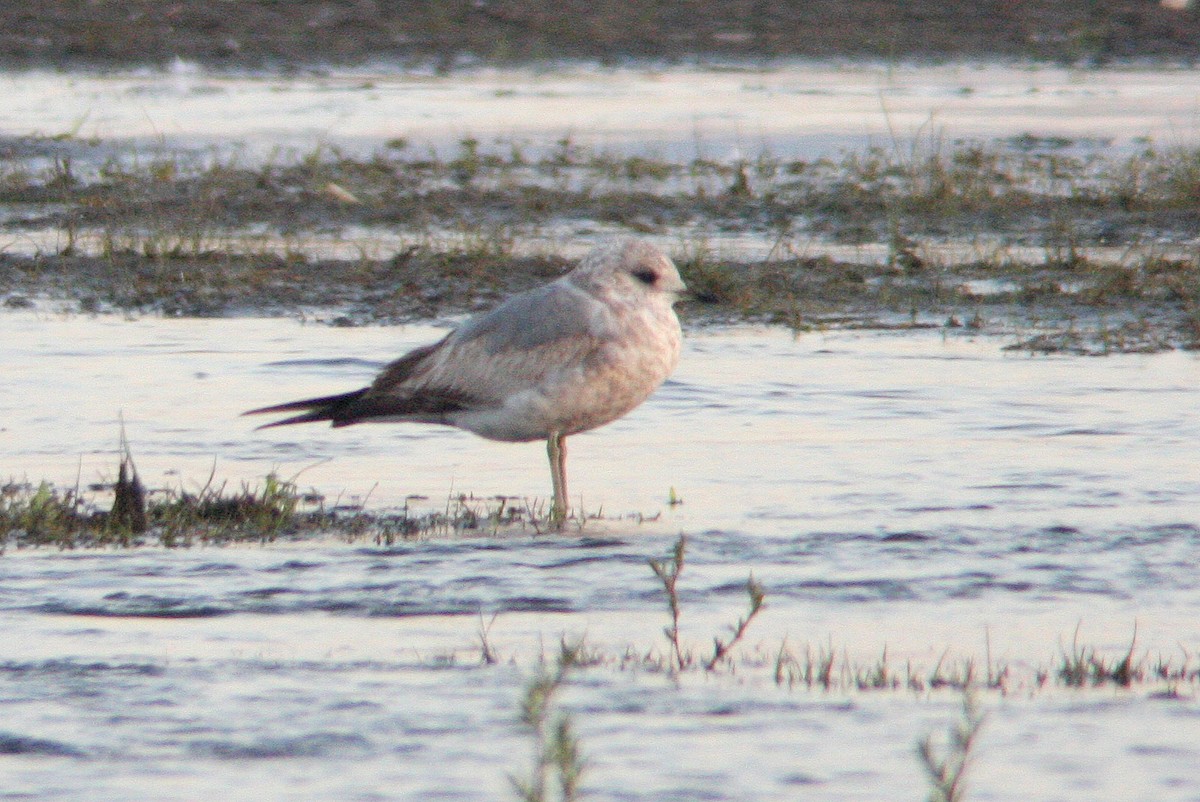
x=527, y=343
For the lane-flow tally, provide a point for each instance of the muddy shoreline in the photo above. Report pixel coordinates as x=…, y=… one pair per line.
x=1036, y=315
x=75, y=34
x=965, y=238
x=1057, y=245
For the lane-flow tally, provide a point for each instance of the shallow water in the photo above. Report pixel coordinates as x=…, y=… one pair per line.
x=934, y=497
x=925, y=495
x=799, y=110
x=794, y=111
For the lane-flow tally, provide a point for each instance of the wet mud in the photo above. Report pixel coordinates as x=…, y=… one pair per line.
x=1101, y=261
x=267, y=35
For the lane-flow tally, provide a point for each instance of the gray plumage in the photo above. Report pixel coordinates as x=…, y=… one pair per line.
x=563, y=358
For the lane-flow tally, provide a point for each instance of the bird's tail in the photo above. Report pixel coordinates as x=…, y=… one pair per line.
x=330, y=408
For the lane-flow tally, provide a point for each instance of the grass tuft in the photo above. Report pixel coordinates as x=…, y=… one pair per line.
x=1083, y=665
x=487, y=654
x=45, y=515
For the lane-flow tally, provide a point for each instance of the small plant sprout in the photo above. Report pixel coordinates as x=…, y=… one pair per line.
x=947, y=771
x=720, y=647
x=557, y=759
x=487, y=654
x=668, y=572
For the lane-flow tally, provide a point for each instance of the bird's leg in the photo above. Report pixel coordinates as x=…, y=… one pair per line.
x=556, y=449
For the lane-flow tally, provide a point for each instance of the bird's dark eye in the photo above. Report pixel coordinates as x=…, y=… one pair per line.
x=645, y=276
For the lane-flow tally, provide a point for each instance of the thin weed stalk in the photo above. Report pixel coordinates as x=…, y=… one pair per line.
x=720, y=647
x=487, y=654
x=668, y=572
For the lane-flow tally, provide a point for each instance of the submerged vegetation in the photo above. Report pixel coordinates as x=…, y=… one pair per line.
x=215, y=514
x=545, y=711
x=828, y=668
x=1057, y=245
x=558, y=763
x=44, y=515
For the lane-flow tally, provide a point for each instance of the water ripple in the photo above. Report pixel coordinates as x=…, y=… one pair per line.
x=318, y=745
x=560, y=575
x=11, y=744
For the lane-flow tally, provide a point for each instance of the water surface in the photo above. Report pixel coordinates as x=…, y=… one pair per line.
x=797, y=110
x=932, y=496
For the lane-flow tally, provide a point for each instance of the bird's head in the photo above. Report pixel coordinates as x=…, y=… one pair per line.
x=629, y=267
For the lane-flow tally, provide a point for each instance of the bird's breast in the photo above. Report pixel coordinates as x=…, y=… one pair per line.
x=619, y=375
x=614, y=378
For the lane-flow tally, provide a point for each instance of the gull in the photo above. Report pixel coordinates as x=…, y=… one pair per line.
x=560, y=359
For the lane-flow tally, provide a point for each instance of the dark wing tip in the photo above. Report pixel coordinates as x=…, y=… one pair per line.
x=310, y=417
x=314, y=409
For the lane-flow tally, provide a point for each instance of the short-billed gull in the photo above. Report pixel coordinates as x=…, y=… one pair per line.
x=566, y=357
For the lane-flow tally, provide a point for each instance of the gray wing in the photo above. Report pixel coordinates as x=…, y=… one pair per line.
x=540, y=317
x=525, y=343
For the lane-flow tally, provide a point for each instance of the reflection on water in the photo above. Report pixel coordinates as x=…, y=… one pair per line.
x=903, y=492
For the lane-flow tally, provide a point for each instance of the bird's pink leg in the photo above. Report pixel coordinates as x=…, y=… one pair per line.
x=556, y=449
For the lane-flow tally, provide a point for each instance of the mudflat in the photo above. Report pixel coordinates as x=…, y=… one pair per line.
x=296, y=35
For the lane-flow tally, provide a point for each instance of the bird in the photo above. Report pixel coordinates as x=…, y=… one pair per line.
x=563, y=358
